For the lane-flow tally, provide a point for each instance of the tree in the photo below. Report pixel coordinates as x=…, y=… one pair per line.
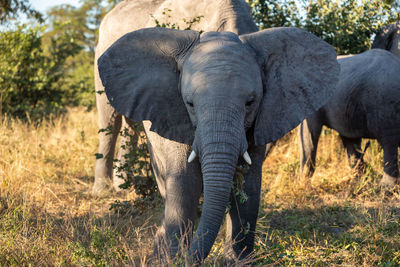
x=348, y=25
x=30, y=77
x=83, y=22
x=275, y=13
x=10, y=9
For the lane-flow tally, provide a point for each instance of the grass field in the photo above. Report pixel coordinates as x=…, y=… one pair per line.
x=48, y=217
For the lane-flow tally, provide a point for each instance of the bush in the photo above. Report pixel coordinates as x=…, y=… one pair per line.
x=348, y=25
x=30, y=76
x=135, y=168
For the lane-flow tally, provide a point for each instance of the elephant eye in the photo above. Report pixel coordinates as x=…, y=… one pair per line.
x=190, y=103
x=250, y=102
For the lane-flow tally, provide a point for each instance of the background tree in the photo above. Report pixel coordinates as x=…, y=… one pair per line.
x=11, y=9
x=31, y=76
x=348, y=25
x=84, y=22
x=275, y=13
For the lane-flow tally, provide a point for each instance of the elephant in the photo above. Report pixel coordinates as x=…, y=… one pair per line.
x=366, y=104
x=210, y=102
x=389, y=39
x=220, y=15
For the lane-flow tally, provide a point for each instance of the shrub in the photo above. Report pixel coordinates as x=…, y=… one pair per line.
x=30, y=76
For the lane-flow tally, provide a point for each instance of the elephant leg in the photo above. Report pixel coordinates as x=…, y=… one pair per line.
x=242, y=217
x=180, y=185
x=109, y=120
x=181, y=204
x=125, y=146
x=354, y=152
x=308, y=134
x=390, y=162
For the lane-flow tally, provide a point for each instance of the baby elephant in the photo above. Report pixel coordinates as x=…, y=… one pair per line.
x=366, y=105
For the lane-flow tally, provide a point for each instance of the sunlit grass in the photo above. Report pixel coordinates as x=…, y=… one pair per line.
x=48, y=217
x=338, y=217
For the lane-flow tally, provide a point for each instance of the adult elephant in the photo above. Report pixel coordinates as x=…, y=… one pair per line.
x=209, y=102
x=389, y=39
x=365, y=105
x=217, y=15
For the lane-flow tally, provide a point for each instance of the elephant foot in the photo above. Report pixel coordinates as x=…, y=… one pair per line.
x=236, y=259
x=388, y=181
x=306, y=172
x=229, y=255
x=165, y=253
x=101, y=186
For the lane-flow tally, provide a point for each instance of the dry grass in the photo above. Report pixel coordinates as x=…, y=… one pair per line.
x=339, y=217
x=47, y=216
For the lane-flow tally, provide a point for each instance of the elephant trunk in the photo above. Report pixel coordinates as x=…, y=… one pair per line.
x=219, y=141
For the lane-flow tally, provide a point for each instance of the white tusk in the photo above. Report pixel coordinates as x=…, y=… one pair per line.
x=192, y=156
x=247, y=158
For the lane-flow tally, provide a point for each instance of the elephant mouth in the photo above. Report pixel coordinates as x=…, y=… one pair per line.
x=245, y=156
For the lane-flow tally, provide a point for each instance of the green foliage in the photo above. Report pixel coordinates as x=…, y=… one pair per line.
x=43, y=69
x=102, y=250
x=276, y=13
x=348, y=25
x=30, y=75
x=10, y=9
x=170, y=25
x=135, y=168
x=84, y=22
x=238, y=183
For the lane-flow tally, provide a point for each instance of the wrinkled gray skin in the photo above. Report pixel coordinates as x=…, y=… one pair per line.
x=365, y=105
x=218, y=94
x=220, y=15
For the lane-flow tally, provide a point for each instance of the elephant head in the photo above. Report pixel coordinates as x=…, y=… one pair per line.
x=389, y=39
x=206, y=90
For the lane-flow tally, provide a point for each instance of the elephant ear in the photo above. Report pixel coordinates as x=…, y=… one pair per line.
x=300, y=74
x=140, y=76
x=385, y=38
